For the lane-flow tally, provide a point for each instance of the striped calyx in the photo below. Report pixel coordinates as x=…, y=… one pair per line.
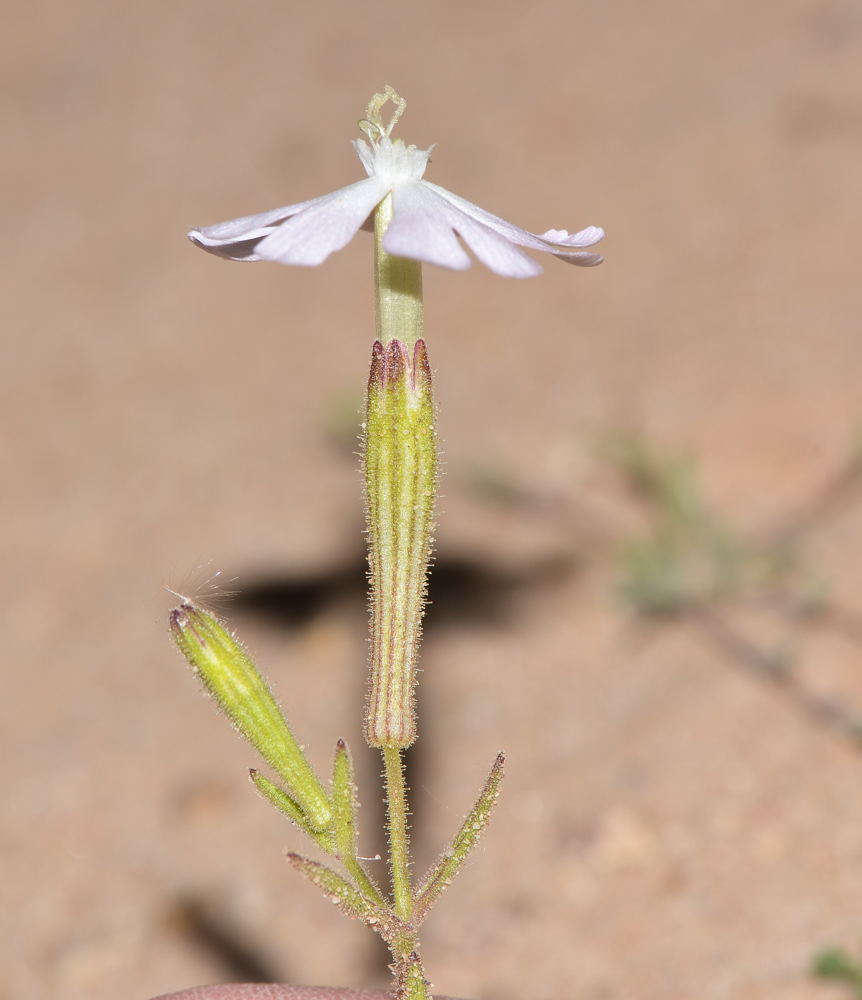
x=400, y=485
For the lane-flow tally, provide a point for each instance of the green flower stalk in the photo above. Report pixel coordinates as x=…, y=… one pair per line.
x=414, y=221
x=397, y=287
x=400, y=464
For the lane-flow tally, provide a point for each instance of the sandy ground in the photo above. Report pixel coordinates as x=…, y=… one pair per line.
x=672, y=825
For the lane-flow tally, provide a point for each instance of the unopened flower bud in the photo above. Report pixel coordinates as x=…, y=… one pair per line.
x=400, y=481
x=229, y=674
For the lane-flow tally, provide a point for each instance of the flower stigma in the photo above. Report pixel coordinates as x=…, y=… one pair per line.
x=372, y=124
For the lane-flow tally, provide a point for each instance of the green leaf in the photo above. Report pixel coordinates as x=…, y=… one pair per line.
x=292, y=809
x=344, y=802
x=346, y=896
x=835, y=963
x=451, y=860
x=344, y=822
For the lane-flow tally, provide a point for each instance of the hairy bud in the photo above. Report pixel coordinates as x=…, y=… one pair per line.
x=228, y=673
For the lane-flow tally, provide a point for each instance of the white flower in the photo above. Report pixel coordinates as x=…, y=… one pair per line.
x=425, y=221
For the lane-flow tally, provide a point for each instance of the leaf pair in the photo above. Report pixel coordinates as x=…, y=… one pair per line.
x=358, y=897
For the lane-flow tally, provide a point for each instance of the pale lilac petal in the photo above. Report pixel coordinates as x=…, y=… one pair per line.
x=423, y=228
x=246, y=227
x=242, y=250
x=365, y=154
x=236, y=240
x=585, y=238
x=513, y=233
x=581, y=259
x=327, y=225
x=420, y=228
x=495, y=251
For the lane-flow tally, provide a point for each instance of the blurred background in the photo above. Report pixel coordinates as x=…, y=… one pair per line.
x=650, y=543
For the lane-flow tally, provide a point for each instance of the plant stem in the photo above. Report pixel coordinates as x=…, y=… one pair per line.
x=397, y=288
x=411, y=983
x=399, y=846
x=400, y=472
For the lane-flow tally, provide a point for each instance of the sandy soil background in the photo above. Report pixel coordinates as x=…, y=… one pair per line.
x=673, y=824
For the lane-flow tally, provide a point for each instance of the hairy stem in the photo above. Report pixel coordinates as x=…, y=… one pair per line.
x=400, y=486
x=399, y=844
x=410, y=981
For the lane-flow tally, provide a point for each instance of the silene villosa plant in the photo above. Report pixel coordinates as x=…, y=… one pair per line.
x=413, y=222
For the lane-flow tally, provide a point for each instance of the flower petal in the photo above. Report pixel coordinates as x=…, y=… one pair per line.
x=514, y=233
x=365, y=154
x=326, y=225
x=420, y=228
x=236, y=240
x=585, y=238
x=494, y=250
x=423, y=228
x=581, y=259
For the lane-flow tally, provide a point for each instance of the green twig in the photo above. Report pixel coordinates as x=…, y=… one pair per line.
x=399, y=845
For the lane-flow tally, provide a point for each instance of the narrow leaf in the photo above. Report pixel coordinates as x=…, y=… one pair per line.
x=346, y=896
x=451, y=860
x=344, y=822
x=344, y=801
x=292, y=809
